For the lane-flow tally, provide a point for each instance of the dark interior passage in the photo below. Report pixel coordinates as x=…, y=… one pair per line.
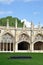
x=23, y=46
x=38, y=46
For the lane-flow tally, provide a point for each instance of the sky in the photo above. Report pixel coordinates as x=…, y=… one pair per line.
x=27, y=10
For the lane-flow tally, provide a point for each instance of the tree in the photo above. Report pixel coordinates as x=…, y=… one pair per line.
x=12, y=20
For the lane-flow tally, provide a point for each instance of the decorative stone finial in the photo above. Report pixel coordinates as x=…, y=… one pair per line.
x=39, y=25
x=24, y=25
x=39, y=28
x=7, y=23
x=16, y=23
x=32, y=25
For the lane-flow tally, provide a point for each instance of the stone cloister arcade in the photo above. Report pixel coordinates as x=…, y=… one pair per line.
x=6, y=43
x=15, y=39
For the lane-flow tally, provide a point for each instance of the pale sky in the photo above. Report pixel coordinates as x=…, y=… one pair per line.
x=30, y=10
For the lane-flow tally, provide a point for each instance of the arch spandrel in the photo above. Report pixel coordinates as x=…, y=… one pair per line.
x=38, y=37
x=38, y=33
x=7, y=38
x=24, y=37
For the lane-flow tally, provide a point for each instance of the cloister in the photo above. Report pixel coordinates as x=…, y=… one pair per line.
x=15, y=39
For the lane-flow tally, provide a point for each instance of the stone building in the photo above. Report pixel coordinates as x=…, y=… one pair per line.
x=15, y=39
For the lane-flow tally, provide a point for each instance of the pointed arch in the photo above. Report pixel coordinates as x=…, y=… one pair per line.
x=38, y=42
x=7, y=42
x=38, y=45
x=7, y=37
x=23, y=45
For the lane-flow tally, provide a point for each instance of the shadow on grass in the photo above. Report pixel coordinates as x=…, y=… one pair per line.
x=20, y=57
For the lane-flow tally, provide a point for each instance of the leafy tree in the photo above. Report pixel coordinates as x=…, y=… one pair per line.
x=12, y=20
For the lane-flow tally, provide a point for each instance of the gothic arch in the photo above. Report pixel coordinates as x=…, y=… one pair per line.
x=23, y=45
x=7, y=42
x=8, y=36
x=38, y=45
x=38, y=42
x=24, y=42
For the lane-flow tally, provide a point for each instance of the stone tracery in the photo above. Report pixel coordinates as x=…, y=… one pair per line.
x=7, y=38
x=39, y=37
x=24, y=37
x=6, y=42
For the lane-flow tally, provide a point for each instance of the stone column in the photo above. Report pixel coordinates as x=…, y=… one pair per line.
x=13, y=46
x=0, y=46
x=3, y=46
x=10, y=46
x=32, y=47
x=16, y=47
x=6, y=46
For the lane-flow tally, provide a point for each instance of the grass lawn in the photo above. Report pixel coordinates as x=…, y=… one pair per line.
x=37, y=59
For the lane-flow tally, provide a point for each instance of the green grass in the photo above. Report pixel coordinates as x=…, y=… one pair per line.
x=37, y=59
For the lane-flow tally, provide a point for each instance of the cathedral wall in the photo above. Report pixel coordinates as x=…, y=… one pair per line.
x=17, y=32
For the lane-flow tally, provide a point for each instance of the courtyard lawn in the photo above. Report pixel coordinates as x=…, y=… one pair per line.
x=37, y=59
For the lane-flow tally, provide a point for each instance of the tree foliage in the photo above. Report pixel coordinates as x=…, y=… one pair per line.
x=12, y=21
